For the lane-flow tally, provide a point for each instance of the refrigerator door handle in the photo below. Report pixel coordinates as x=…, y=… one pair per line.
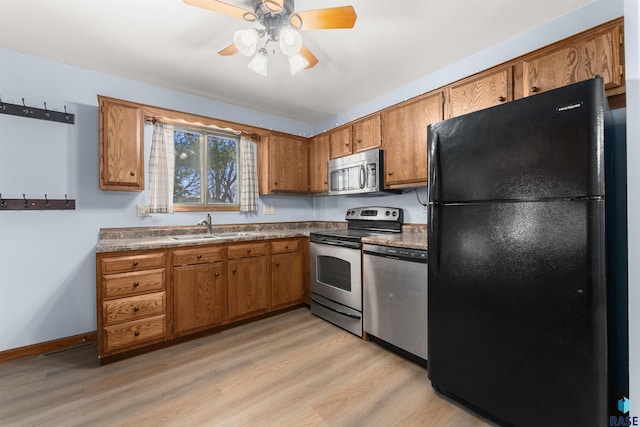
x=433, y=183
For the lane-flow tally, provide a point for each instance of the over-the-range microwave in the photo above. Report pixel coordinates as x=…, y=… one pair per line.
x=360, y=173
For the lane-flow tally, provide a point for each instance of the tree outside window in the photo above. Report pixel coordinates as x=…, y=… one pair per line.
x=206, y=168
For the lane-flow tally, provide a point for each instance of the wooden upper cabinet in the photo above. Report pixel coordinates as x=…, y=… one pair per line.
x=284, y=164
x=340, y=141
x=121, y=145
x=404, y=139
x=367, y=133
x=319, y=163
x=576, y=59
x=479, y=92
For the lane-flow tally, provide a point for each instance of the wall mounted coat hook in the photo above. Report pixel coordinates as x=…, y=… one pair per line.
x=37, y=113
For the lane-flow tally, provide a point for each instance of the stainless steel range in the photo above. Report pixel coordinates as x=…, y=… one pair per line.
x=336, y=264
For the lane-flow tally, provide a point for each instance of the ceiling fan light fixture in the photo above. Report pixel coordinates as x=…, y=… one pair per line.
x=297, y=63
x=246, y=41
x=290, y=41
x=295, y=20
x=259, y=62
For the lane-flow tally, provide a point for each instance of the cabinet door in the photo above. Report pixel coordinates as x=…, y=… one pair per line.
x=199, y=297
x=121, y=145
x=340, y=141
x=575, y=61
x=288, y=164
x=481, y=92
x=404, y=139
x=247, y=287
x=367, y=133
x=286, y=279
x=319, y=164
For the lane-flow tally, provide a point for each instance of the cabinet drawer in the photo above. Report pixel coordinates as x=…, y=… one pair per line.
x=133, y=262
x=123, y=284
x=282, y=246
x=245, y=251
x=197, y=255
x=125, y=309
x=136, y=333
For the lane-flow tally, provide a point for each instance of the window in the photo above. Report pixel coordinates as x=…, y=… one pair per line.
x=206, y=169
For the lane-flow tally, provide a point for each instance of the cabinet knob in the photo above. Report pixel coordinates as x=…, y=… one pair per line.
x=535, y=89
x=136, y=309
x=136, y=333
x=346, y=144
x=217, y=274
x=132, y=173
x=248, y=251
x=135, y=263
x=234, y=270
x=501, y=99
x=277, y=263
x=286, y=246
x=199, y=256
x=136, y=284
x=389, y=173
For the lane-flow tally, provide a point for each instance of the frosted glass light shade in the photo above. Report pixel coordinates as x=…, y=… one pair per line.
x=290, y=41
x=297, y=63
x=246, y=41
x=259, y=63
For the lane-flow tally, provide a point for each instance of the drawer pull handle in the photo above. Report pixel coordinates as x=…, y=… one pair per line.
x=136, y=333
x=286, y=247
x=234, y=270
x=132, y=173
x=199, y=256
x=535, y=89
x=501, y=99
x=277, y=263
x=217, y=274
x=136, y=308
x=136, y=284
x=135, y=263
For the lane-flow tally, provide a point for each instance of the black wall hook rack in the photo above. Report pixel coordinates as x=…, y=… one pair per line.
x=36, y=204
x=37, y=113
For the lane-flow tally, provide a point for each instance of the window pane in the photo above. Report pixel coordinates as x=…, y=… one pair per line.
x=222, y=170
x=186, y=188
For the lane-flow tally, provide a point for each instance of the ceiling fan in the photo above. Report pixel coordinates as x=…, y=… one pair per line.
x=278, y=24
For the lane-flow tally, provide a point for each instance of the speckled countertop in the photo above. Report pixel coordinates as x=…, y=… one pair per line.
x=145, y=238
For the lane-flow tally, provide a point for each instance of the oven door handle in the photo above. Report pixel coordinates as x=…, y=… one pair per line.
x=349, y=245
x=353, y=316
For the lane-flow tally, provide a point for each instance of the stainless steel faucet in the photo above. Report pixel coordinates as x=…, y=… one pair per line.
x=207, y=222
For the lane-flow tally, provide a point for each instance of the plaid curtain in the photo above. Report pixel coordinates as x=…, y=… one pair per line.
x=161, y=169
x=248, y=176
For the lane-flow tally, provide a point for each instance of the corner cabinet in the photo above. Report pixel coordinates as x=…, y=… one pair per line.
x=121, y=145
x=319, y=164
x=284, y=164
x=404, y=139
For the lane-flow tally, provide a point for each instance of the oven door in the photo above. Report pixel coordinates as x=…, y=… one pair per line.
x=336, y=274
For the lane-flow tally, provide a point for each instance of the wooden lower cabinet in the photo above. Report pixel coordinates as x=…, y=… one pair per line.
x=132, y=305
x=140, y=304
x=248, y=280
x=287, y=273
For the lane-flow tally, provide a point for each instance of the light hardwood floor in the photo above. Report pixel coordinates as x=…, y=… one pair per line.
x=289, y=370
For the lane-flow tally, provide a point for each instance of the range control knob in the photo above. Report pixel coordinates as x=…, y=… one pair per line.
x=395, y=213
x=353, y=212
x=387, y=213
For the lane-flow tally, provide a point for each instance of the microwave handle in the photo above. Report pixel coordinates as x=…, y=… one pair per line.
x=362, y=176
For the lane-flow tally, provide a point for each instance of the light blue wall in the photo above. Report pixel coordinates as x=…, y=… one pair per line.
x=47, y=267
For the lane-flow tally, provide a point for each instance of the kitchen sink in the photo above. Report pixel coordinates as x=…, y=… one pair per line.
x=234, y=234
x=194, y=237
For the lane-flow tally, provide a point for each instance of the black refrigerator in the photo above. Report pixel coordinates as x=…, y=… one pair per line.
x=517, y=299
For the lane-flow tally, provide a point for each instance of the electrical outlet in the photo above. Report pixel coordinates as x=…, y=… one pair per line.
x=143, y=210
x=268, y=210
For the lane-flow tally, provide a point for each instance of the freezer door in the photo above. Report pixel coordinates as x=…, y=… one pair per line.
x=549, y=145
x=517, y=310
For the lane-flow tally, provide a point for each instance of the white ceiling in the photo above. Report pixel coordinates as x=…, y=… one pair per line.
x=173, y=45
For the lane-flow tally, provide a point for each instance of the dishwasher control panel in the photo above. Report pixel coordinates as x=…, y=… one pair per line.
x=416, y=255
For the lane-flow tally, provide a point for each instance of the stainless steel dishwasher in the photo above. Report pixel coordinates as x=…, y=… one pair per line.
x=395, y=297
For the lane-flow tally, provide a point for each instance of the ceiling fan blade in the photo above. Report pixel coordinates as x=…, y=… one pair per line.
x=335, y=17
x=229, y=50
x=306, y=54
x=218, y=6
